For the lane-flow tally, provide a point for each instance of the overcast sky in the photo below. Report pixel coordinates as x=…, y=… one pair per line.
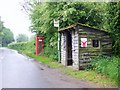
x=13, y=17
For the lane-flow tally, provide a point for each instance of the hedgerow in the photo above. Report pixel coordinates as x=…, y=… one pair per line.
x=23, y=46
x=30, y=47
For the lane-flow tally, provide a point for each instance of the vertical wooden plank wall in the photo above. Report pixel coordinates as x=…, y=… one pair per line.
x=75, y=49
x=63, y=48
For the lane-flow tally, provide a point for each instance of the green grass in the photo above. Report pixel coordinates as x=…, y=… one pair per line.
x=43, y=59
x=90, y=76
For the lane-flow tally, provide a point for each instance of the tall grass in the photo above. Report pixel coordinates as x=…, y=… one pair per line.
x=108, y=66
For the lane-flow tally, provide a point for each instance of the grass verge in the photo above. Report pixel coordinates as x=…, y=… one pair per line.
x=43, y=59
x=88, y=75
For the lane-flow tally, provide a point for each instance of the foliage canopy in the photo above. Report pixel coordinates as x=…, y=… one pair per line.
x=22, y=38
x=6, y=35
x=102, y=15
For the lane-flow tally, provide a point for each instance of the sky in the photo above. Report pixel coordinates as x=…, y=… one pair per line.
x=14, y=18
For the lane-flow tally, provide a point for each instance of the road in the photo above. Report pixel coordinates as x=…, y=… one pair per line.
x=19, y=71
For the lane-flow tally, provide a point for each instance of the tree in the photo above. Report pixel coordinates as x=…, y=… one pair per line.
x=1, y=26
x=1, y=31
x=32, y=38
x=7, y=37
x=113, y=20
x=22, y=38
x=99, y=15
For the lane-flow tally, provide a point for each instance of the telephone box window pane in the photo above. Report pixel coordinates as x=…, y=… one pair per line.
x=95, y=43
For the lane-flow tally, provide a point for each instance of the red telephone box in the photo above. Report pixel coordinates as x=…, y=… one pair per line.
x=39, y=44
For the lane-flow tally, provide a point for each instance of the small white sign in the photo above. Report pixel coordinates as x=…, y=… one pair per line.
x=83, y=42
x=40, y=40
x=56, y=23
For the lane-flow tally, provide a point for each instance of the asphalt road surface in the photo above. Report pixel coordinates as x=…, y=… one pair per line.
x=19, y=71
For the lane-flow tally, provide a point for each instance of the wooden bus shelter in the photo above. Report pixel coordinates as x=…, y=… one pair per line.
x=79, y=43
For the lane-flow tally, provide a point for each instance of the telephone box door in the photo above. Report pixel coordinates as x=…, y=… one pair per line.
x=39, y=45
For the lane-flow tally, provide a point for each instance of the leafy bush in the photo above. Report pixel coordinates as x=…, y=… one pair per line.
x=51, y=52
x=108, y=66
x=23, y=46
